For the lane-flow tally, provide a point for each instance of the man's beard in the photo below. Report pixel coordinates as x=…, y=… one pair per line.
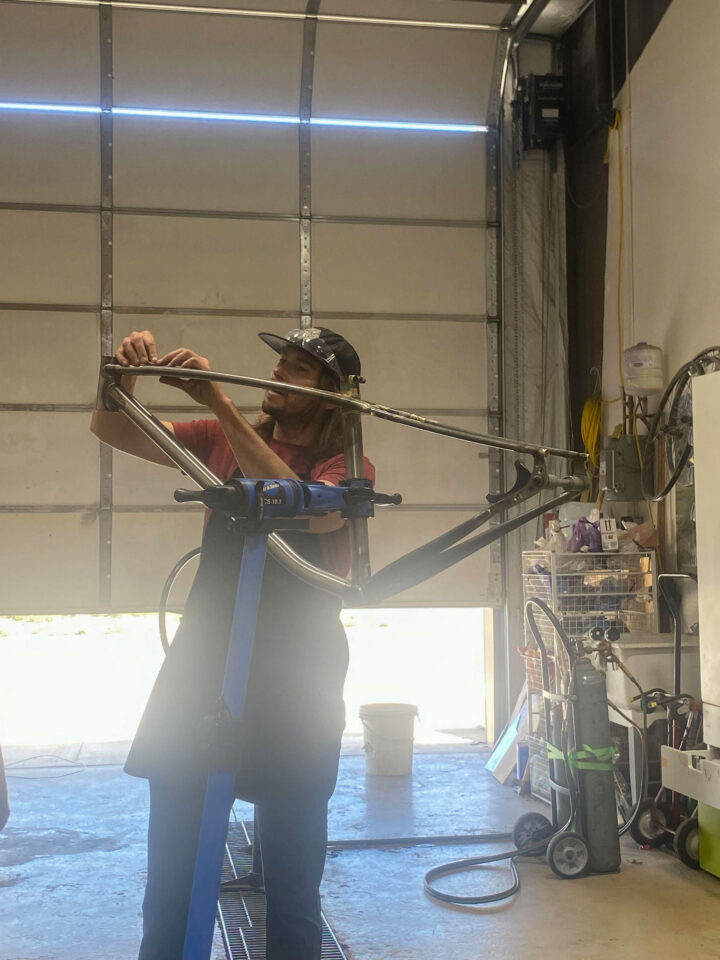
x=303, y=416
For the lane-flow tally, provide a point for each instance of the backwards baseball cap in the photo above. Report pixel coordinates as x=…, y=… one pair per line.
x=336, y=354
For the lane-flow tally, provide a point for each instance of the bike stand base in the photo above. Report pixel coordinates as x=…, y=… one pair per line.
x=242, y=914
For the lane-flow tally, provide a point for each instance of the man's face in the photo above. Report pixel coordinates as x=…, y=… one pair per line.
x=299, y=368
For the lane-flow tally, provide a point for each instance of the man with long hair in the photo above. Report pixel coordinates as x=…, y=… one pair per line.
x=286, y=754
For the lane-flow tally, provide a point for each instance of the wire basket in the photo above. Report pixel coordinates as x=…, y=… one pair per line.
x=588, y=590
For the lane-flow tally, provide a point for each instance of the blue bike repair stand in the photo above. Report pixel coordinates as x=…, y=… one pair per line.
x=263, y=506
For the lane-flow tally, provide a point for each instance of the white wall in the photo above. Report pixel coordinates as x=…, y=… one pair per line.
x=671, y=140
x=670, y=275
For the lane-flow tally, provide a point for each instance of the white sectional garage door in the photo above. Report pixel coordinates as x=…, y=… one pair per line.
x=207, y=230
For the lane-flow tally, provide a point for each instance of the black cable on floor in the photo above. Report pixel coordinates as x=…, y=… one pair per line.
x=459, y=866
x=456, y=866
x=436, y=840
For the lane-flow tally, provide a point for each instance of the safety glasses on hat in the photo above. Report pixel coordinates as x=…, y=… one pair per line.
x=333, y=350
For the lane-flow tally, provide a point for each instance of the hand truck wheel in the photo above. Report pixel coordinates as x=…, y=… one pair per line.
x=686, y=843
x=531, y=830
x=568, y=855
x=649, y=828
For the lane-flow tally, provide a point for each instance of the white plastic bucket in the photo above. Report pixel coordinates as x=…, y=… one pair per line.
x=388, y=731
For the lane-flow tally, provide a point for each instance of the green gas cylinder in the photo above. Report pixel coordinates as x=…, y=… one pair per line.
x=592, y=762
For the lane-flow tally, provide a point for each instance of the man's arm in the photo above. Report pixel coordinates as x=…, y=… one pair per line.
x=253, y=455
x=114, y=428
x=117, y=430
x=256, y=459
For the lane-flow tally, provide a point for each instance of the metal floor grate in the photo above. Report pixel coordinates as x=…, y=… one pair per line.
x=242, y=916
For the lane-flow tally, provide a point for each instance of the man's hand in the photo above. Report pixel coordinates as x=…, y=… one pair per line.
x=137, y=349
x=134, y=351
x=205, y=392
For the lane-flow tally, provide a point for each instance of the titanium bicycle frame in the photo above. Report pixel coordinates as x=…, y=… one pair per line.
x=436, y=555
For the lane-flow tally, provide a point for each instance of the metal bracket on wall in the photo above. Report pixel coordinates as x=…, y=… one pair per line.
x=106, y=290
x=493, y=346
x=493, y=284
x=497, y=83
x=304, y=143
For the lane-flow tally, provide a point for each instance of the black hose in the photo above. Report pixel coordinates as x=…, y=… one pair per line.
x=644, y=776
x=573, y=785
x=642, y=732
x=162, y=608
x=377, y=843
x=459, y=866
x=535, y=849
x=553, y=620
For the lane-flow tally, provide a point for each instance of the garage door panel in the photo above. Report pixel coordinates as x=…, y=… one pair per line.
x=403, y=73
x=49, y=55
x=225, y=263
x=205, y=166
x=48, y=562
x=425, y=467
x=145, y=549
x=54, y=357
x=394, y=533
x=376, y=173
x=398, y=269
x=53, y=160
x=202, y=62
x=56, y=460
x=137, y=482
x=430, y=364
x=49, y=257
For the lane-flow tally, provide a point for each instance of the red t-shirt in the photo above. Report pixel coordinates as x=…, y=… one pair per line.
x=205, y=438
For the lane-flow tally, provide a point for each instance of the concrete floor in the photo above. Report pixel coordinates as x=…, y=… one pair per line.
x=72, y=872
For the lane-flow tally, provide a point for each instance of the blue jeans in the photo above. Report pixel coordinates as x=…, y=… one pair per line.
x=293, y=839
